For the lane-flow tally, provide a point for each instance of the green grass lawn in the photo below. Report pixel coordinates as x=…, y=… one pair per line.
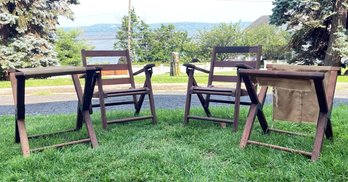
x=169, y=151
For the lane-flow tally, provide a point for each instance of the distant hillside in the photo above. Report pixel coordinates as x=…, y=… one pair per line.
x=103, y=36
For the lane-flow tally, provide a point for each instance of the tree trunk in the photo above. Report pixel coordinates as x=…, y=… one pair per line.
x=332, y=58
x=4, y=33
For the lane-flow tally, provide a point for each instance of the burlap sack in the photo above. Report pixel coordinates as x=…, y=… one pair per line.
x=295, y=100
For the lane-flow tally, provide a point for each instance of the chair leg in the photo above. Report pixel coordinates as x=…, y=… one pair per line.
x=187, y=107
x=103, y=112
x=136, y=104
x=152, y=107
x=236, y=115
x=139, y=104
x=236, y=104
x=79, y=119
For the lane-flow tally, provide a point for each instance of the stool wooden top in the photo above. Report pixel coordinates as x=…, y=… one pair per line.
x=51, y=71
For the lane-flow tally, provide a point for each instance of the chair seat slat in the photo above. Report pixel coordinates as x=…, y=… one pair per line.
x=223, y=78
x=116, y=81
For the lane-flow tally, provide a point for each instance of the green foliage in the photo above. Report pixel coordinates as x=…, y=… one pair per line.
x=311, y=23
x=282, y=11
x=166, y=40
x=28, y=30
x=140, y=37
x=224, y=34
x=68, y=47
x=341, y=44
x=149, y=45
x=27, y=51
x=273, y=39
x=158, y=44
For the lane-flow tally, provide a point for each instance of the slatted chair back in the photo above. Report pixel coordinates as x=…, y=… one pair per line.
x=229, y=57
x=121, y=63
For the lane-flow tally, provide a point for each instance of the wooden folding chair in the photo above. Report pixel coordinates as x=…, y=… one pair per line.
x=310, y=88
x=222, y=57
x=124, y=65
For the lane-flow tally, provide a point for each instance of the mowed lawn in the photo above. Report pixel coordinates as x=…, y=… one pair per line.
x=169, y=151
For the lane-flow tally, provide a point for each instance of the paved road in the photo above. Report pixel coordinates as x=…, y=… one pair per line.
x=69, y=106
x=54, y=100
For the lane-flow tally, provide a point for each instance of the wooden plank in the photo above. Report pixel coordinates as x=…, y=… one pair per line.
x=212, y=92
x=319, y=135
x=61, y=145
x=23, y=138
x=106, y=67
x=50, y=134
x=228, y=101
x=223, y=78
x=90, y=130
x=288, y=132
x=234, y=63
x=219, y=120
x=248, y=126
x=104, y=53
x=214, y=89
x=281, y=148
x=116, y=81
x=282, y=74
x=114, y=103
x=130, y=119
x=126, y=93
x=237, y=49
x=52, y=71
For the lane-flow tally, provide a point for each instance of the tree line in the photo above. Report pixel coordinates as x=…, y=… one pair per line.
x=156, y=45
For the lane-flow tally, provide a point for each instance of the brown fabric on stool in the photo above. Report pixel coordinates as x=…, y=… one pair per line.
x=297, y=97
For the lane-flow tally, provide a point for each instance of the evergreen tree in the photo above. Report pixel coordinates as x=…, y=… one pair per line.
x=140, y=36
x=166, y=40
x=318, y=29
x=28, y=31
x=150, y=45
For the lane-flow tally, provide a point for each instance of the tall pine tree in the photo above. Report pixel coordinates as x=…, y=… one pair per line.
x=318, y=27
x=28, y=31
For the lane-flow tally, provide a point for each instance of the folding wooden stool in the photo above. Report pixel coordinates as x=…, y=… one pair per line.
x=316, y=82
x=18, y=77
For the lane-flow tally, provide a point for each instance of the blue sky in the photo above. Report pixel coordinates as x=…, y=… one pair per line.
x=91, y=12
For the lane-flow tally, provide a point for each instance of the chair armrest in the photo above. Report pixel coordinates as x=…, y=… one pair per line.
x=188, y=65
x=243, y=66
x=146, y=67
